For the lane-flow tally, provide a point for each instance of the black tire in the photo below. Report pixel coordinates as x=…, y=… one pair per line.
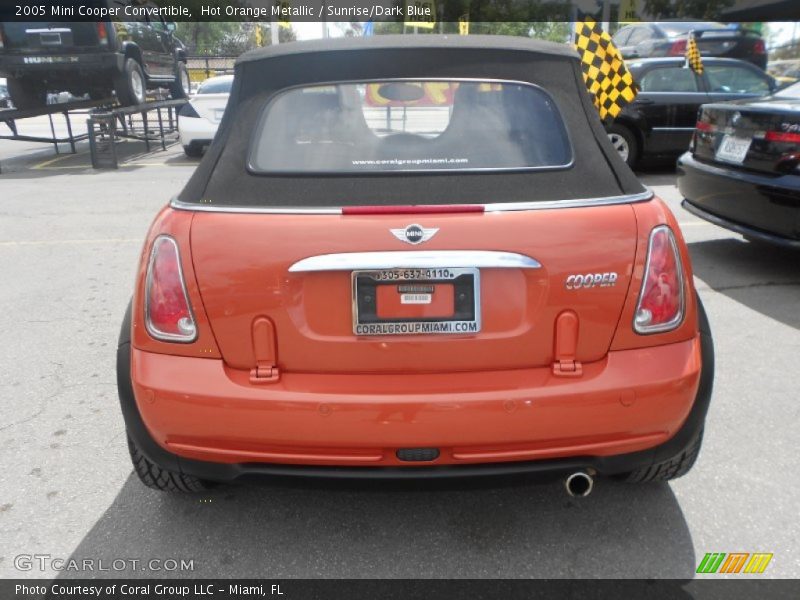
x=625, y=143
x=27, y=94
x=161, y=479
x=682, y=462
x=193, y=150
x=179, y=88
x=131, y=84
x=677, y=466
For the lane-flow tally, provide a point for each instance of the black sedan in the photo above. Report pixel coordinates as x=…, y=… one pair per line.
x=661, y=120
x=669, y=38
x=742, y=171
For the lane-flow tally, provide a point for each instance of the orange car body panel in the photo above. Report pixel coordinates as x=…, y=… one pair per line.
x=341, y=399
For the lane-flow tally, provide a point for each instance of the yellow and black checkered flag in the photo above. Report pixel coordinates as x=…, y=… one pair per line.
x=609, y=82
x=693, y=59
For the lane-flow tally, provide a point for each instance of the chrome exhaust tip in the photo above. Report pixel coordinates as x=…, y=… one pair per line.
x=579, y=484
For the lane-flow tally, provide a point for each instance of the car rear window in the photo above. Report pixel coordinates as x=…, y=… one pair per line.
x=216, y=86
x=402, y=126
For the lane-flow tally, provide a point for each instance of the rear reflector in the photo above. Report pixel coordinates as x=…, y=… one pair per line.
x=422, y=209
x=782, y=136
x=678, y=48
x=661, y=301
x=168, y=314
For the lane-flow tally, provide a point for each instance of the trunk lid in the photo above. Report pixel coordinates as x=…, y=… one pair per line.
x=242, y=264
x=210, y=106
x=759, y=136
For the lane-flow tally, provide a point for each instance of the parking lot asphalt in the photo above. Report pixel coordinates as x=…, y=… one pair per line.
x=69, y=242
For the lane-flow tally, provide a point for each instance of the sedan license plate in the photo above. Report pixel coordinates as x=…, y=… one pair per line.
x=733, y=149
x=432, y=301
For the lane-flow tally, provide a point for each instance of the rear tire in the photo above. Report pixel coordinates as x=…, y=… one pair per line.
x=193, y=150
x=161, y=479
x=181, y=86
x=625, y=143
x=27, y=94
x=131, y=85
x=682, y=462
x=672, y=468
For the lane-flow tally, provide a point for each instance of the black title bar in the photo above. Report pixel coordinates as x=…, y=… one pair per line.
x=394, y=10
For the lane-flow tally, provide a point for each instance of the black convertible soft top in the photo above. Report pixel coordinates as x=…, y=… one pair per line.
x=223, y=178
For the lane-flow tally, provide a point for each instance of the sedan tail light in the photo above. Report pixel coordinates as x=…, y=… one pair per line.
x=661, y=301
x=678, y=48
x=759, y=47
x=168, y=314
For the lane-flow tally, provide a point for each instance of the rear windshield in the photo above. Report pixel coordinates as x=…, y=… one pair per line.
x=402, y=126
x=216, y=86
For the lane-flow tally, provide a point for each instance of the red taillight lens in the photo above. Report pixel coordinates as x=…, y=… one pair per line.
x=102, y=33
x=168, y=315
x=785, y=137
x=661, y=300
x=678, y=48
x=705, y=127
x=759, y=47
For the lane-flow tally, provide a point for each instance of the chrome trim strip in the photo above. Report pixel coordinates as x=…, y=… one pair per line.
x=410, y=259
x=579, y=203
x=499, y=207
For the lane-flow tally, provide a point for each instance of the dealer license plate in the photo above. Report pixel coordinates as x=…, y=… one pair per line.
x=427, y=301
x=733, y=149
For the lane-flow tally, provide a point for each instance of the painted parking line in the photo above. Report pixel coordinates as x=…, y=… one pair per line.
x=66, y=242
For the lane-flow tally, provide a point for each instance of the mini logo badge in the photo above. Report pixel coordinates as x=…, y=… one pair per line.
x=736, y=120
x=414, y=234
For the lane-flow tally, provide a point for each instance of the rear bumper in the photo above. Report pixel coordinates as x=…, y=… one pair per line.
x=748, y=203
x=59, y=67
x=636, y=408
x=198, y=131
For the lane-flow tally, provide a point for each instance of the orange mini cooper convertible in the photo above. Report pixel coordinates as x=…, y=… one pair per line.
x=413, y=257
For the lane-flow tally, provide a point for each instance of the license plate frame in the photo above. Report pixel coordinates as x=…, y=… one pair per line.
x=466, y=318
x=733, y=149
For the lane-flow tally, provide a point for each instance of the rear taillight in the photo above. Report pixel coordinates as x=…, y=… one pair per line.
x=678, y=48
x=705, y=127
x=1, y=37
x=102, y=33
x=759, y=47
x=784, y=137
x=167, y=312
x=661, y=301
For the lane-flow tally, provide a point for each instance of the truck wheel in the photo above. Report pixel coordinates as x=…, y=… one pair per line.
x=131, y=85
x=27, y=94
x=161, y=479
x=181, y=86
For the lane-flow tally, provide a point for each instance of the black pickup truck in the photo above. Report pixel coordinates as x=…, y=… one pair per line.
x=92, y=58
